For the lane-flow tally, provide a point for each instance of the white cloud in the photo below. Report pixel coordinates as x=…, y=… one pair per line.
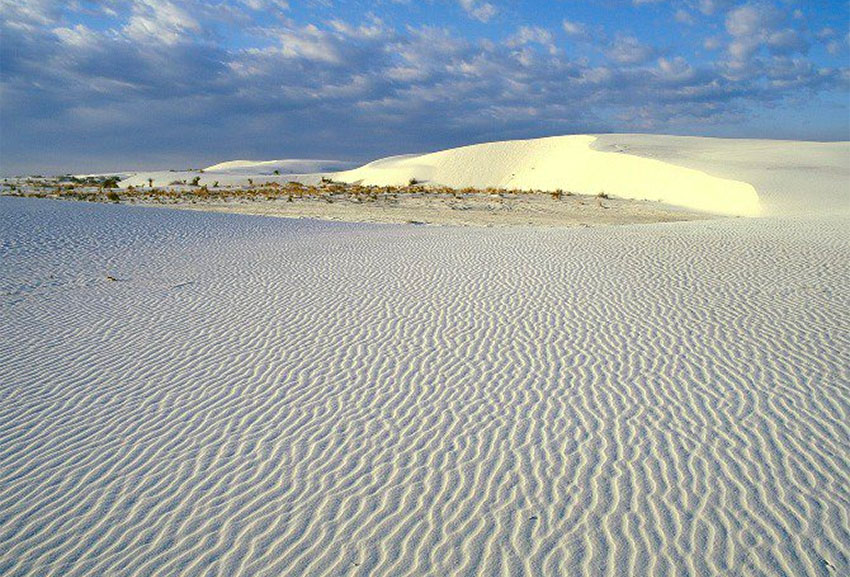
x=28, y=14
x=757, y=25
x=709, y=7
x=786, y=40
x=575, y=29
x=309, y=43
x=629, y=50
x=532, y=35
x=712, y=43
x=676, y=69
x=482, y=11
x=160, y=21
x=258, y=5
x=78, y=36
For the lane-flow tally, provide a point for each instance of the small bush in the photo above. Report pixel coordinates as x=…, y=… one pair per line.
x=196, y=181
x=112, y=196
x=602, y=194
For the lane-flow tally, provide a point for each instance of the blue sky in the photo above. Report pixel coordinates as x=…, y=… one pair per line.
x=131, y=84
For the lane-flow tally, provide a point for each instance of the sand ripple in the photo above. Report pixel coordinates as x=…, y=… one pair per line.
x=268, y=397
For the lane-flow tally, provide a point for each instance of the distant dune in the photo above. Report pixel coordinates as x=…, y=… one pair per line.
x=291, y=166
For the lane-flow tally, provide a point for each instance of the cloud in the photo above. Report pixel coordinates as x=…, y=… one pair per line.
x=630, y=50
x=266, y=4
x=709, y=7
x=754, y=27
x=159, y=21
x=575, y=30
x=526, y=35
x=481, y=11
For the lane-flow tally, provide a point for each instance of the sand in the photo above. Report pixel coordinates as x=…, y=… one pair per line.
x=462, y=209
x=569, y=163
x=574, y=164
x=191, y=393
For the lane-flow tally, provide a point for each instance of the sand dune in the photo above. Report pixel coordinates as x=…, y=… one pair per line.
x=271, y=397
x=791, y=177
x=568, y=163
x=288, y=166
x=712, y=175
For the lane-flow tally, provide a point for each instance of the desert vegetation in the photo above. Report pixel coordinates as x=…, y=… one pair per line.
x=326, y=198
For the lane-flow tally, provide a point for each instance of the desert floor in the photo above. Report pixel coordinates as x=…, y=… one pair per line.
x=190, y=393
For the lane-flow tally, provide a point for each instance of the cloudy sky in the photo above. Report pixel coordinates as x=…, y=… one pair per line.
x=127, y=84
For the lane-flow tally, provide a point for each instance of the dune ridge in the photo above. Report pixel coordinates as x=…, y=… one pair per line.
x=259, y=396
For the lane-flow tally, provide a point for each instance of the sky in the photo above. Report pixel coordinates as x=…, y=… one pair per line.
x=92, y=86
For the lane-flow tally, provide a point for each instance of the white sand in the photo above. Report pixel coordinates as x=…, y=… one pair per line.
x=287, y=166
x=260, y=396
x=734, y=177
x=568, y=163
x=791, y=177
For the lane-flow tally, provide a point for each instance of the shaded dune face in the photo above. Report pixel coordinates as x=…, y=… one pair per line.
x=259, y=396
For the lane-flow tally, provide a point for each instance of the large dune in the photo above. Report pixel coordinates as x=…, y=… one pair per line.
x=712, y=175
x=568, y=163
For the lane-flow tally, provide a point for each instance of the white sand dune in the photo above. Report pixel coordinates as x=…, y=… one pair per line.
x=240, y=173
x=287, y=166
x=791, y=177
x=714, y=175
x=568, y=163
x=258, y=396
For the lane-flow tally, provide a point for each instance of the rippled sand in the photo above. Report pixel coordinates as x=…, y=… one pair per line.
x=257, y=396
